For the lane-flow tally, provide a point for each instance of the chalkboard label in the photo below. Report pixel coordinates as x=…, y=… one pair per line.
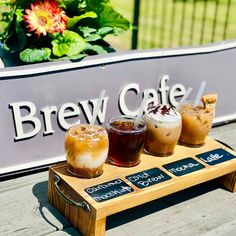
x=148, y=178
x=108, y=190
x=184, y=166
x=215, y=156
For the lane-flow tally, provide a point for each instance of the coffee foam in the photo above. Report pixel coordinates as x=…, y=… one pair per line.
x=163, y=113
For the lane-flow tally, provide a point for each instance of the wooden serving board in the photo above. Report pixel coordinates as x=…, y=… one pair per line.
x=120, y=188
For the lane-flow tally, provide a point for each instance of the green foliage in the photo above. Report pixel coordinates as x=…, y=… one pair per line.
x=95, y=48
x=35, y=55
x=74, y=20
x=69, y=44
x=110, y=18
x=6, y=17
x=89, y=21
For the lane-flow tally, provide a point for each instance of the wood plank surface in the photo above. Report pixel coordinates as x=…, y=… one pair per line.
x=206, y=209
x=141, y=196
x=25, y=209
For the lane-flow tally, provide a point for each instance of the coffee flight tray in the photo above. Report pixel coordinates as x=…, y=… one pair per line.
x=87, y=202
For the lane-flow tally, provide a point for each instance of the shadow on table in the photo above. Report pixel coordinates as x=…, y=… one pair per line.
x=40, y=191
x=159, y=204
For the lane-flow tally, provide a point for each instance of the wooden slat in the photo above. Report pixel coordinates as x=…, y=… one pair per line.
x=25, y=209
x=226, y=134
x=195, y=211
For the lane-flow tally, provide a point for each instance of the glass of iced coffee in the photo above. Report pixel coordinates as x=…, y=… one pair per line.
x=196, y=124
x=163, y=129
x=86, y=150
x=126, y=140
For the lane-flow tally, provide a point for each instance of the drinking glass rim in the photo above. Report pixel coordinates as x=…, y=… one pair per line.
x=82, y=138
x=109, y=126
x=191, y=102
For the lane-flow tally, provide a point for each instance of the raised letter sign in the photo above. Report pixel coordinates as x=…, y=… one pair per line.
x=29, y=119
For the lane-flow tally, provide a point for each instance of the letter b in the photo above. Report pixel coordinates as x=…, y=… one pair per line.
x=30, y=119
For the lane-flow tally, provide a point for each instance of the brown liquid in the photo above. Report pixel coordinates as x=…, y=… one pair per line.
x=160, y=140
x=125, y=143
x=85, y=172
x=196, y=124
x=87, y=148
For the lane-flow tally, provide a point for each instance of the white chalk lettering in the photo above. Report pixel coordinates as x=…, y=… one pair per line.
x=212, y=157
x=183, y=167
x=135, y=178
x=151, y=180
x=103, y=186
x=113, y=193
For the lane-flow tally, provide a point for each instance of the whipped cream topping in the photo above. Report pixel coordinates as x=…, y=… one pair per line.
x=163, y=113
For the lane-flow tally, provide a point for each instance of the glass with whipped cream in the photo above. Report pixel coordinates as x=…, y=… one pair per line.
x=86, y=150
x=163, y=129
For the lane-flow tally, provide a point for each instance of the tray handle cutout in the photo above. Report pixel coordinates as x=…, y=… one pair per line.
x=82, y=204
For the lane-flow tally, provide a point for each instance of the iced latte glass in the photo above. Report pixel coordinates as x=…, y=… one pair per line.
x=126, y=140
x=163, y=130
x=86, y=150
x=196, y=124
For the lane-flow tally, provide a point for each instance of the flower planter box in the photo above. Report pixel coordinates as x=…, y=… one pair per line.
x=39, y=102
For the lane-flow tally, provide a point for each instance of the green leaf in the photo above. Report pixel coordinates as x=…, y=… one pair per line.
x=87, y=31
x=95, y=48
x=104, y=31
x=111, y=18
x=16, y=38
x=35, y=55
x=96, y=5
x=74, y=20
x=6, y=18
x=21, y=37
x=70, y=43
x=19, y=14
x=73, y=58
x=93, y=37
x=90, y=34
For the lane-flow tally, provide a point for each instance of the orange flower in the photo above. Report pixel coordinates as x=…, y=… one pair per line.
x=44, y=16
x=60, y=21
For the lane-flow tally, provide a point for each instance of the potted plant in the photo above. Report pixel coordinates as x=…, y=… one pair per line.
x=48, y=30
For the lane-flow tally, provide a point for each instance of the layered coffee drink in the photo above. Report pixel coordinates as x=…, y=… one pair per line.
x=86, y=150
x=197, y=121
x=163, y=129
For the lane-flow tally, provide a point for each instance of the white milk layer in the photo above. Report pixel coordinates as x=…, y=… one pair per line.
x=86, y=160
